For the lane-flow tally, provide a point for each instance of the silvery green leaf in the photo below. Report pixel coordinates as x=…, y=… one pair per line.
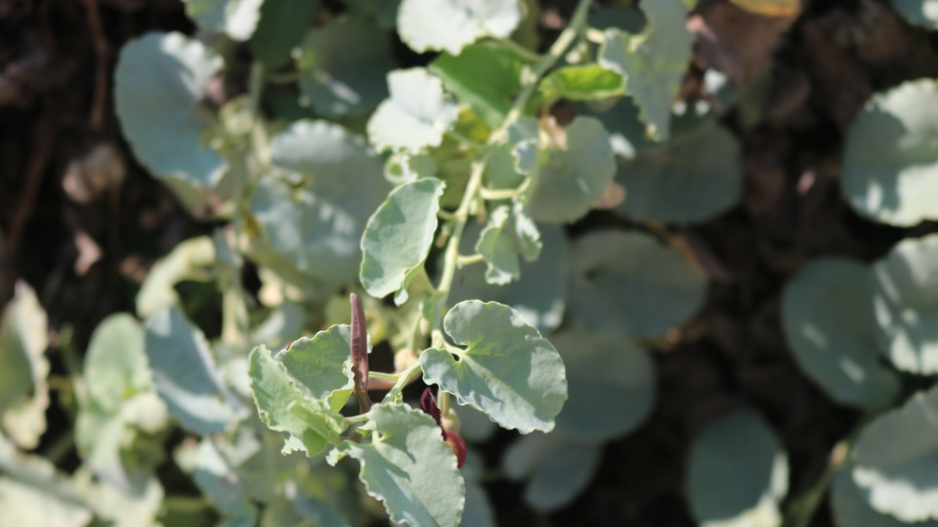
x=416, y=115
x=452, y=24
x=236, y=18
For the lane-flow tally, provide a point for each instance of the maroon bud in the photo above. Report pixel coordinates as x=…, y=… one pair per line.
x=457, y=445
x=359, y=334
x=428, y=405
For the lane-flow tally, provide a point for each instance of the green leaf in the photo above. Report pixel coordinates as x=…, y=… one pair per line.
x=484, y=76
x=828, y=320
x=652, y=62
x=383, y=11
x=611, y=385
x=452, y=24
x=849, y=506
x=158, y=83
x=684, y=181
x=556, y=468
x=921, y=12
x=417, y=114
x=890, y=167
x=317, y=227
x=629, y=285
x=738, y=473
x=398, y=236
x=507, y=370
x=321, y=364
x=191, y=259
x=577, y=174
x=121, y=509
x=223, y=485
x=24, y=393
x=236, y=18
x=582, y=83
x=281, y=28
x=498, y=249
x=309, y=425
x=905, y=301
x=408, y=467
x=896, y=460
x=185, y=375
x=342, y=66
x=539, y=295
x=115, y=363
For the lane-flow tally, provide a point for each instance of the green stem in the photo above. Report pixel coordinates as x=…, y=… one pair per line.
x=405, y=377
x=505, y=193
x=469, y=260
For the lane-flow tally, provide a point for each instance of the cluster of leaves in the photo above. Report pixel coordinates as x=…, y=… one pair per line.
x=446, y=188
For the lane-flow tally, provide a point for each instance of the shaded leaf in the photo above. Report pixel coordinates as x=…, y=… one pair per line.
x=557, y=469
x=189, y=260
x=507, y=370
x=281, y=27
x=921, y=12
x=498, y=249
x=485, y=76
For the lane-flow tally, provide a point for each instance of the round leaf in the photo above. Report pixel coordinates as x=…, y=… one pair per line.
x=451, y=24
x=408, y=467
x=828, y=320
x=281, y=27
x=115, y=364
x=921, y=12
x=417, y=114
x=343, y=65
x=320, y=363
x=611, y=386
x=890, y=170
x=738, y=473
x=896, y=460
x=629, y=285
x=158, y=82
x=398, y=236
x=684, y=181
x=556, y=468
x=507, y=370
x=905, y=300
x=850, y=507
x=575, y=177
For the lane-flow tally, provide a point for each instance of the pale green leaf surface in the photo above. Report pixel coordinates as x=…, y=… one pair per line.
x=285, y=323
x=320, y=363
x=556, y=468
x=120, y=508
x=235, y=18
x=24, y=392
x=317, y=227
x=652, y=62
x=190, y=259
x=281, y=27
x=849, y=507
x=921, y=12
x=185, y=375
x=629, y=285
x=890, y=166
x=687, y=180
x=398, y=236
x=828, y=320
x=475, y=426
x=450, y=25
x=222, y=484
x=896, y=460
x=611, y=385
x=582, y=83
x=343, y=66
x=158, y=82
x=575, y=177
x=484, y=76
x=274, y=391
x=507, y=370
x=905, y=302
x=738, y=473
x=115, y=363
x=497, y=247
x=408, y=467
x=539, y=295
x=416, y=115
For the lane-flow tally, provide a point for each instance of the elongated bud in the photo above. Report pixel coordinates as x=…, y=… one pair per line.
x=359, y=352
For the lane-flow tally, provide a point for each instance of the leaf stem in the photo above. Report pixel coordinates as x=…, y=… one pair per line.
x=505, y=193
x=405, y=377
x=469, y=260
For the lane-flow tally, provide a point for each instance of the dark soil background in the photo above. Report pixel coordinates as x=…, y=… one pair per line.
x=85, y=243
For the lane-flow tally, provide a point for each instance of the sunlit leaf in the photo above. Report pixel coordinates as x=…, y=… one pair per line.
x=921, y=12
x=738, y=473
x=849, y=506
x=236, y=18
x=628, y=284
x=890, y=167
x=398, y=236
x=115, y=363
x=896, y=460
x=652, y=62
x=577, y=174
x=343, y=65
x=497, y=247
x=827, y=315
x=158, y=83
x=320, y=364
x=905, y=301
x=451, y=24
x=556, y=468
x=408, y=467
x=507, y=370
x=222, y=484
x=582, y=83
x=417, y=114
